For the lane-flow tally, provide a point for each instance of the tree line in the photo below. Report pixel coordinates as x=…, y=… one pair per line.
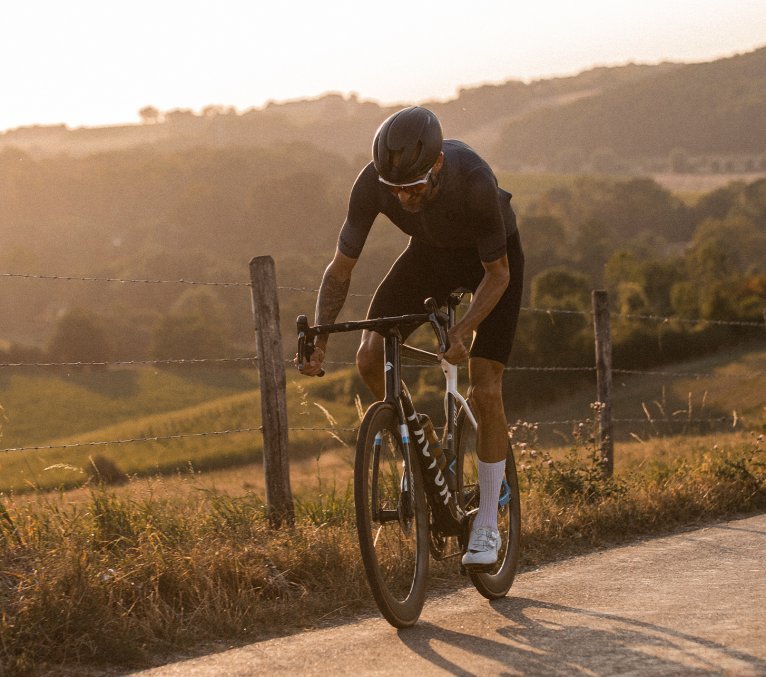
x=201, y=214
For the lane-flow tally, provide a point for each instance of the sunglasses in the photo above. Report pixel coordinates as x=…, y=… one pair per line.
x=410, y=187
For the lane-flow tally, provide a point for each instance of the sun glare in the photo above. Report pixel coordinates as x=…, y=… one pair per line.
x=89, y=63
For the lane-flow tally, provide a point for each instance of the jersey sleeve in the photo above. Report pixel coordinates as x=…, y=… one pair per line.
x=363, y=207
x=487, y=213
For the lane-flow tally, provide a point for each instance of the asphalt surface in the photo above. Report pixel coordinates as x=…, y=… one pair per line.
x=689, y=604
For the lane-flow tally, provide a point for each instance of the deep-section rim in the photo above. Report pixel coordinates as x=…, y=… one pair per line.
x=399, y=612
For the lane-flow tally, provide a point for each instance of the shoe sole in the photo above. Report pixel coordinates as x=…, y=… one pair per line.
x=480, y=568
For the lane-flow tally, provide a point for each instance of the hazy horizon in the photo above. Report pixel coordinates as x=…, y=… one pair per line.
x=89, y=64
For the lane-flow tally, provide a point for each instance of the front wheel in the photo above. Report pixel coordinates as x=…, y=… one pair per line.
x=496, y=582
x=391, y=518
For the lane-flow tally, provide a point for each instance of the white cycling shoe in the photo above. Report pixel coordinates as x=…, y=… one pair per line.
x=483, y=548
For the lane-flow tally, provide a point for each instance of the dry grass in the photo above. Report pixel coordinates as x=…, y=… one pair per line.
x=117, y=576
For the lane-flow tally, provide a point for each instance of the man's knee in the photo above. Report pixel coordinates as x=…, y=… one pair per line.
x=486, y=385
x=369, y=357
x=486, y=396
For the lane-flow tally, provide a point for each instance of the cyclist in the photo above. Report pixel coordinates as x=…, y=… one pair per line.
x=462, y=235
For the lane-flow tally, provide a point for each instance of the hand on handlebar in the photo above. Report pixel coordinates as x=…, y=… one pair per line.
x=309, y=358
x=312, y=366
x=456, y=352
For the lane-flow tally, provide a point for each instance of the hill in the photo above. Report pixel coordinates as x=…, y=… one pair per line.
x=705, y=109
x=637, y=111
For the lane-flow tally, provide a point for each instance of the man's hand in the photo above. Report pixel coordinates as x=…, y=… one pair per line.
x=457, y=352
x=312, y=367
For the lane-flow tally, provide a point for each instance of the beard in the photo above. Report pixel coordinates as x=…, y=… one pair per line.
x=418, y=202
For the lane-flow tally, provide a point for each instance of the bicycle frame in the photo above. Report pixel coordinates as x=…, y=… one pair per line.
x=403, y=515
x=452, y=396
x=394, y=350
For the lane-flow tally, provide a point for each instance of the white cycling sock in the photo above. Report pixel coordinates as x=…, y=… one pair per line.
x=490, y=480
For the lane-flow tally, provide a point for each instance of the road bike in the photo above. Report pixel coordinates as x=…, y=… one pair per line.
x=416, y=494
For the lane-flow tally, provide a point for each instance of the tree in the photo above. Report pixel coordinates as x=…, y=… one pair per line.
x=563, y=338
x=80, y=337
x=561, y=288
x=149, y=115
x=194, y=329
x=632, y=299
x=544, y=242
x=592, y=248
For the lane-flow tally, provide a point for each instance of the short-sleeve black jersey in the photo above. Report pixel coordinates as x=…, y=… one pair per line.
x=469, y=210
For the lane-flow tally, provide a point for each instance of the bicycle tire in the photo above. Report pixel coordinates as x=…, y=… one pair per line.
x=495, y=583
x=392, y=521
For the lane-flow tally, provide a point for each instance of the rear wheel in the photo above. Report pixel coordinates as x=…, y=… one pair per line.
x=391, y=518
x=496, y=582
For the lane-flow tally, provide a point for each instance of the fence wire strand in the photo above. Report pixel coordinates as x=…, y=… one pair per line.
x=335, y=430
x=75, y=278
x=126, y=363
x=252, y=359
x=133, y=440
x=309, y=290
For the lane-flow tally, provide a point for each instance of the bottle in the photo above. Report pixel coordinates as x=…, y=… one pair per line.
x=445, y=462
x=434, y=445
x=447, y=514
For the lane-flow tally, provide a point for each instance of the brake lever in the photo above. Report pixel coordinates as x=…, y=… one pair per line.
x=439, y=321
x=305, y=343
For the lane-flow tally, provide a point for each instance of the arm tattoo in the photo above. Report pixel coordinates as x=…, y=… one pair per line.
x=332, y=296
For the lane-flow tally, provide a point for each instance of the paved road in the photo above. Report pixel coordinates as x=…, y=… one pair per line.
x=691, y=604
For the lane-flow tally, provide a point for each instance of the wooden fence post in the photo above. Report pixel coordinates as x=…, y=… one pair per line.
x=604, y=377
x=271, y=366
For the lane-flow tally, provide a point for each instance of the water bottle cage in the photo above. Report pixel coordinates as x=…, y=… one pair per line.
x=447, y=514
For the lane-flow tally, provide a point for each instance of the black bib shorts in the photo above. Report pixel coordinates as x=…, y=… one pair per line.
x=423, y=270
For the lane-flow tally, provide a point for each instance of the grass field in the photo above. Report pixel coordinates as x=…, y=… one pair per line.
x=181, y=554
x=137, y=404
x=120, y=577
x=191, y=447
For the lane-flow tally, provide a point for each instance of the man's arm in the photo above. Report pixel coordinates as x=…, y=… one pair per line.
x=332, y=295
x=488, y=293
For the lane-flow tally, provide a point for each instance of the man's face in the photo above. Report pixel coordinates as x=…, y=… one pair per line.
x=413, y=198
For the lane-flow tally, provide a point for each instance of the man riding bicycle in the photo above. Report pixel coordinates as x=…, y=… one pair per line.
x=462, y=235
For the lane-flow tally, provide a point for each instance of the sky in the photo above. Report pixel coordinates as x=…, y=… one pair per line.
x=98, y=62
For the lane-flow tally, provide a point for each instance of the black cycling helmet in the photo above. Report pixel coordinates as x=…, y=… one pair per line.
x=407, y=145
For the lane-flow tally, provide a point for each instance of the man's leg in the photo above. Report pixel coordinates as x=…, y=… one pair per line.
x=486, y=394
x=369, y=362
x=414, y=277
x=486, y=397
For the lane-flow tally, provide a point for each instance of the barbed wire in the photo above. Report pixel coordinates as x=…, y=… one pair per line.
x=335, y=430
x=751, y=373
x=225, y=360
x=158, y=438
x=76, y=278
x=122, y=363
x=254, y=359
x=652, y=421
x=682, y=320
x=309, y=290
